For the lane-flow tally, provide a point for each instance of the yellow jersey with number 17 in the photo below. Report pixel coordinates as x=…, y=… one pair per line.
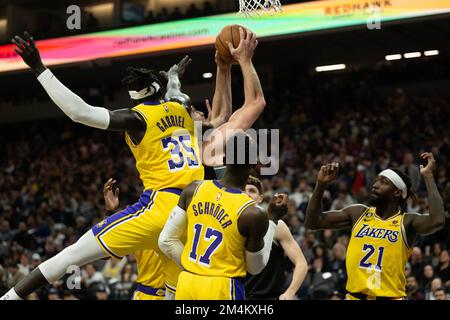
x=168, y=154
x=377, y=255
x=214, y=246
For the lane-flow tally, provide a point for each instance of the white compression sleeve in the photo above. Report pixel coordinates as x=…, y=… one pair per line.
x=256, y=261
x=71, y=104
x=84, y=251
x=170, y=237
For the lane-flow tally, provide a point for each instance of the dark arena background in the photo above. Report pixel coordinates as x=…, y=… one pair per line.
x=369, y=90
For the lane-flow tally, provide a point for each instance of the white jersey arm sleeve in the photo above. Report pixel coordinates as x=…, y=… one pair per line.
x=256, y=261
x=71, y=104
x=170, y=237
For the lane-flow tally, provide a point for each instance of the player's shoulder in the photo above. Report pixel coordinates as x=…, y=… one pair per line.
x=192, y=187
x=254, y=214
x=183, y=100
x=356, y=209
x=408, y=217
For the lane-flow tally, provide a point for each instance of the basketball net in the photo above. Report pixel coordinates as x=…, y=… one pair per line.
x=257, y=7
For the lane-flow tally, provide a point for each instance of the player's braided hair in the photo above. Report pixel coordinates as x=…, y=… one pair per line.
x=410, y=194
x=141, y=78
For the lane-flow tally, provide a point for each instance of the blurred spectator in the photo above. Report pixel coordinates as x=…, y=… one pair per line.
x=443, y=270
x=192, y=11
x=53, y=294
x=435, y=285
x=411, y=170
x=441, y=294
x=90, y=275
x=416, y=263
x=428, y=276
x=412, y=289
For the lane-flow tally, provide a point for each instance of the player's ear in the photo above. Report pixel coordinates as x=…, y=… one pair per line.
x=398, y=193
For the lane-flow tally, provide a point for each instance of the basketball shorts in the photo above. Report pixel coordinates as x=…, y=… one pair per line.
x=195, y=287
x=148, y=293
x=137, y=228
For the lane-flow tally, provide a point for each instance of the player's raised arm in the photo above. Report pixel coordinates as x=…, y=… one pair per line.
x=254, y=103
x=435, y=219
x=317, y=219
x=295, y=255
x=173, y=92
x=70, y=103
x=222, y=101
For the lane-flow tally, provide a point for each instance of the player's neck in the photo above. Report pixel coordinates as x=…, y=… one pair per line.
x=386, y=211
x=233, y=181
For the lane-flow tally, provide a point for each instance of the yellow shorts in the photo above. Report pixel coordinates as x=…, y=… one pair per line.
x=350, y=297
x=137, y=228
x=195, y=287
x=147, y=293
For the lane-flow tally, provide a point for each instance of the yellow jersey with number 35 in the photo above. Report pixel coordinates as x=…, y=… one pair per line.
x=168, y=156
x=214, y=246
x=377, y=255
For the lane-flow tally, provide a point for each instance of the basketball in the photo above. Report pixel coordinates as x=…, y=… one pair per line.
x=229, y=33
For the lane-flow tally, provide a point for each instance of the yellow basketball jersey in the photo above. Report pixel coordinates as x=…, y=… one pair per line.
x=214, y=246
x=168, y=155
x=377, y=255
x=150, y=271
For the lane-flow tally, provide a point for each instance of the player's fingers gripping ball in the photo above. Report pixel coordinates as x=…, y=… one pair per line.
x=228, y=34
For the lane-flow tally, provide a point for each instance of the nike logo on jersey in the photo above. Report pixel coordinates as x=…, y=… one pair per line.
x=377, y=233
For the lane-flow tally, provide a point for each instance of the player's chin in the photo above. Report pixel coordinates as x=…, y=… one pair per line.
x=373, y=199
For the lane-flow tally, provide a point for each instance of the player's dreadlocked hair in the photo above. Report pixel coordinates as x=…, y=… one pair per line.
x=410, y=193
x=138, y=79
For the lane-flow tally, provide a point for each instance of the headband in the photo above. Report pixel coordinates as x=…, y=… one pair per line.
x=396, y=180
x=146, y=92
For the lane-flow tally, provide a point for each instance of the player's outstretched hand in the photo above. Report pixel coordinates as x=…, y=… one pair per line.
x=177, y=69
x=247, y=45
x=278, y=206
x=111, y=196
x=428, y=170
x=26, y=48
x=328, y=173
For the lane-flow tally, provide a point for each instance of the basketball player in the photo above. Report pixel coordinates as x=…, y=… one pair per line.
x=150, y=279
x=382, y=234
x=269, y=283
x=166, y=163
x=148, y=127
x=227, y=233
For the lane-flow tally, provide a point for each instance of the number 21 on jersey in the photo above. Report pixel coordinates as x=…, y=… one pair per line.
x=370, y=251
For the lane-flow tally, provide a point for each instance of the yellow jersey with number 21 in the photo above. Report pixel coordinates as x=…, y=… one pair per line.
x=377, y=255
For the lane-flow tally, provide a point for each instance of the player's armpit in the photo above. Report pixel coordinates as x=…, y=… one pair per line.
x=126, y=120
x=246, y=116
x=186, y=195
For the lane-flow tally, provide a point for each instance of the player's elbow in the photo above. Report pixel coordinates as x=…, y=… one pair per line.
x=439, y=223
x=260, y=102
x=164, y=243
x=311, y=224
